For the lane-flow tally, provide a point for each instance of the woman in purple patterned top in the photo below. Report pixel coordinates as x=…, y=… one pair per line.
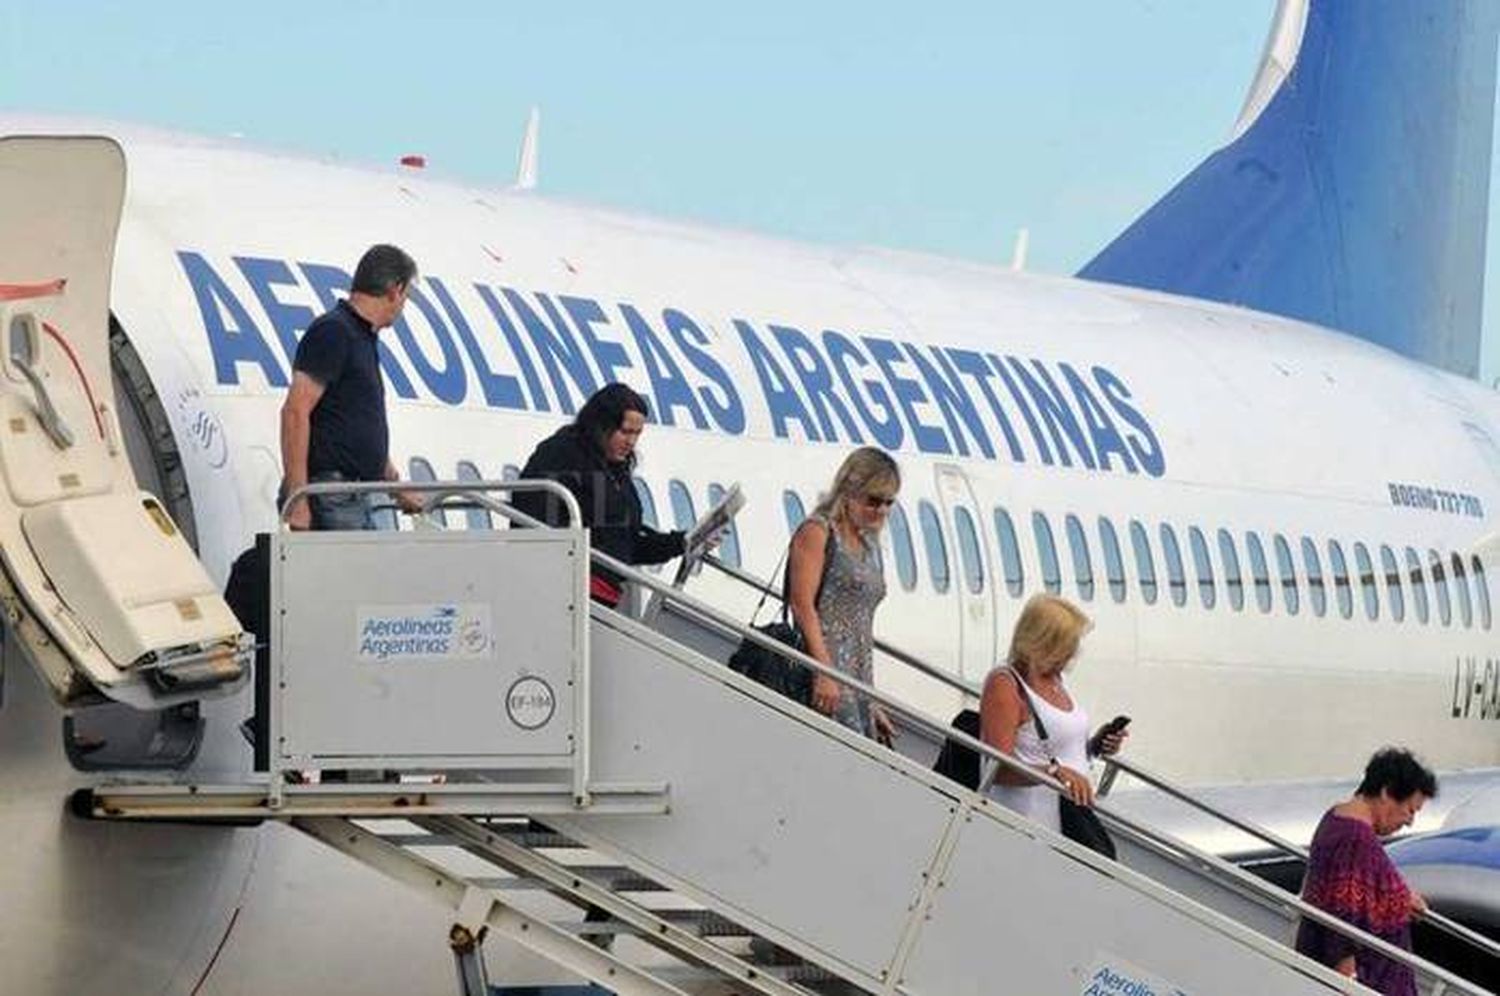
x=1350, y=875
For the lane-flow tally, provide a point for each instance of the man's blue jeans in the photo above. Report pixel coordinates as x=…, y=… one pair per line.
x=342, y=511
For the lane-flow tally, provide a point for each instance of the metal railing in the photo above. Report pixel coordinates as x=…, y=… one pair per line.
x=1183, y=855
x=1280, y=844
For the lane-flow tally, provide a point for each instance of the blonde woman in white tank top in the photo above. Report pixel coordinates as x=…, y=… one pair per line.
x=1044, y=642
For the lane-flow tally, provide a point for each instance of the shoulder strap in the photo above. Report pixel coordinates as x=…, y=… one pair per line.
x=786, y=579
x=1036, y=717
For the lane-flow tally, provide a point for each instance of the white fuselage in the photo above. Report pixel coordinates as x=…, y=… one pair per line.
x=765, y=362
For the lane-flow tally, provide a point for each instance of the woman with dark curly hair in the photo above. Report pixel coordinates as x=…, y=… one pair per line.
x=593, y=457
x=1350, y=875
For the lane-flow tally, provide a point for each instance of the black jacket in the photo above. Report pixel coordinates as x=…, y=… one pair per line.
x=606, y=497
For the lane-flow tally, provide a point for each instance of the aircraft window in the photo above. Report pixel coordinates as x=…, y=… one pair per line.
x=1259, y=572
x=682, y=504
x=1367, y=581
x=791, y=504
x=418, y=469
x=1010, y=553
x=1047, y=550
x=937, y=549
x=1393, y=593
x=968, y=549
x=1418, y=585
x=729, y=546
x=1083, y=568
x=1288, y=568
x=1231, y=560
x=1461, y=585
x=648, y=512
x=906, y=557
x=1144, y=565
x=1481, y=592
x=1440, y=588
x=475, y=518
x=510, y=472
x=1114, y=564
x=648, y=503
x=1172, y=554
x=1317, y=595
x=1339, y=568
x=1207, y=592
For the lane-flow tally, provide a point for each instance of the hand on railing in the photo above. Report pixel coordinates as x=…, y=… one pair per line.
x=825, y=694
x=409, y=502
x=1076, y=783
x=885, y=729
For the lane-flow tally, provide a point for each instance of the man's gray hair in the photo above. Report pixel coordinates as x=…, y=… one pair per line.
x=381, y=268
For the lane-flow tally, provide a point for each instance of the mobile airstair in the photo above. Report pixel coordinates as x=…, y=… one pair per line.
x=601, y=790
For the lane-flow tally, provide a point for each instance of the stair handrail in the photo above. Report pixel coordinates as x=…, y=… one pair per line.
x=1184, y=855
x=1437, y=920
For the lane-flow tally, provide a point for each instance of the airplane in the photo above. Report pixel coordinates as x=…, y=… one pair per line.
x=1247, y=441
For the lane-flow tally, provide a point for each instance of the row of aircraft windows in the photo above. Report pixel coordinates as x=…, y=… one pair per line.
x=1404, y=577
x=683, y=512
x=1452, y=582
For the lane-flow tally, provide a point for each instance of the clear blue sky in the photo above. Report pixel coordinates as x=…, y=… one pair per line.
x=840, y=122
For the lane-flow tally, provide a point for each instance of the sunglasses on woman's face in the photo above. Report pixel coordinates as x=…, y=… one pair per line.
x=877, y=501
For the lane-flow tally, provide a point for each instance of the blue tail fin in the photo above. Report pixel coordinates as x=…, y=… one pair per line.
x=1355, y=194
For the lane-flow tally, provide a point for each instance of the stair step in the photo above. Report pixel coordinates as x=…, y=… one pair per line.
x=704, y=923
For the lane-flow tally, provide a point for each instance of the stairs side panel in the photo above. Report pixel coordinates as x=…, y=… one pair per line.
x=822, y=841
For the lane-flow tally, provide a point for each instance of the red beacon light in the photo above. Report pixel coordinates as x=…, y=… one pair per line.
x=414, y=161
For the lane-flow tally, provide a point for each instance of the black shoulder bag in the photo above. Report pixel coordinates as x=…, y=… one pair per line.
x=958, y=761
x=765, y=666
x=1078, y=823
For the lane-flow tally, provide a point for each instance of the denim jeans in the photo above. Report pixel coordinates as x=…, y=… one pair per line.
x=342, y=511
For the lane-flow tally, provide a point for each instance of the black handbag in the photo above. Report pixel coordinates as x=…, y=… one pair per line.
x=958, y=761
x=1079, y=824
x=764, y=665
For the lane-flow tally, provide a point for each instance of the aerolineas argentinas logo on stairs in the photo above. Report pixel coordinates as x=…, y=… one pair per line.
x=424, y=633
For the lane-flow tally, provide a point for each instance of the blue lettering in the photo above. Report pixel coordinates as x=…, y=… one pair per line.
x=781, y=397
x=730, y=413
x=816, y=381
x=324, y=281
x=1016, y=394
x=929, y=439
x=609, y=356
x=953, y=401
x=1145, y=445
x=1102, y=430
x=1054, y=410
x=973, y=364
x=448, y=384
x=234, y=343
x=500, y=390
x=668, y=386
x=886, y=429
x=289, y=320
x=556, y=347
x=523, y=359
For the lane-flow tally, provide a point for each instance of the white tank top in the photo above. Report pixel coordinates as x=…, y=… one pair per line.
x=1067, y=740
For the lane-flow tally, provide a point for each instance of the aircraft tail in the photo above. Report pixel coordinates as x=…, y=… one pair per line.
x=1354, y=192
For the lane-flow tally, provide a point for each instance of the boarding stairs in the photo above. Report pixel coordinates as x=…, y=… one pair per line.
x=602, y=791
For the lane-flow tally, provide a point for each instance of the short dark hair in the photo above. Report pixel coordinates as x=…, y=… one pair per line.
x=604, y=412
x=381, y=268
x=1396, y=772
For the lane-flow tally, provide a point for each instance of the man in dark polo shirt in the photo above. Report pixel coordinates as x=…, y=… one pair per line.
x=333, y=425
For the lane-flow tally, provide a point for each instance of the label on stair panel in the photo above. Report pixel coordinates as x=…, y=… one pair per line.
x=444, y=631
x=1112, y=975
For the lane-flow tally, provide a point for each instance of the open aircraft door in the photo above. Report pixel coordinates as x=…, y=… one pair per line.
x=99, y=588
x=973, y=578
